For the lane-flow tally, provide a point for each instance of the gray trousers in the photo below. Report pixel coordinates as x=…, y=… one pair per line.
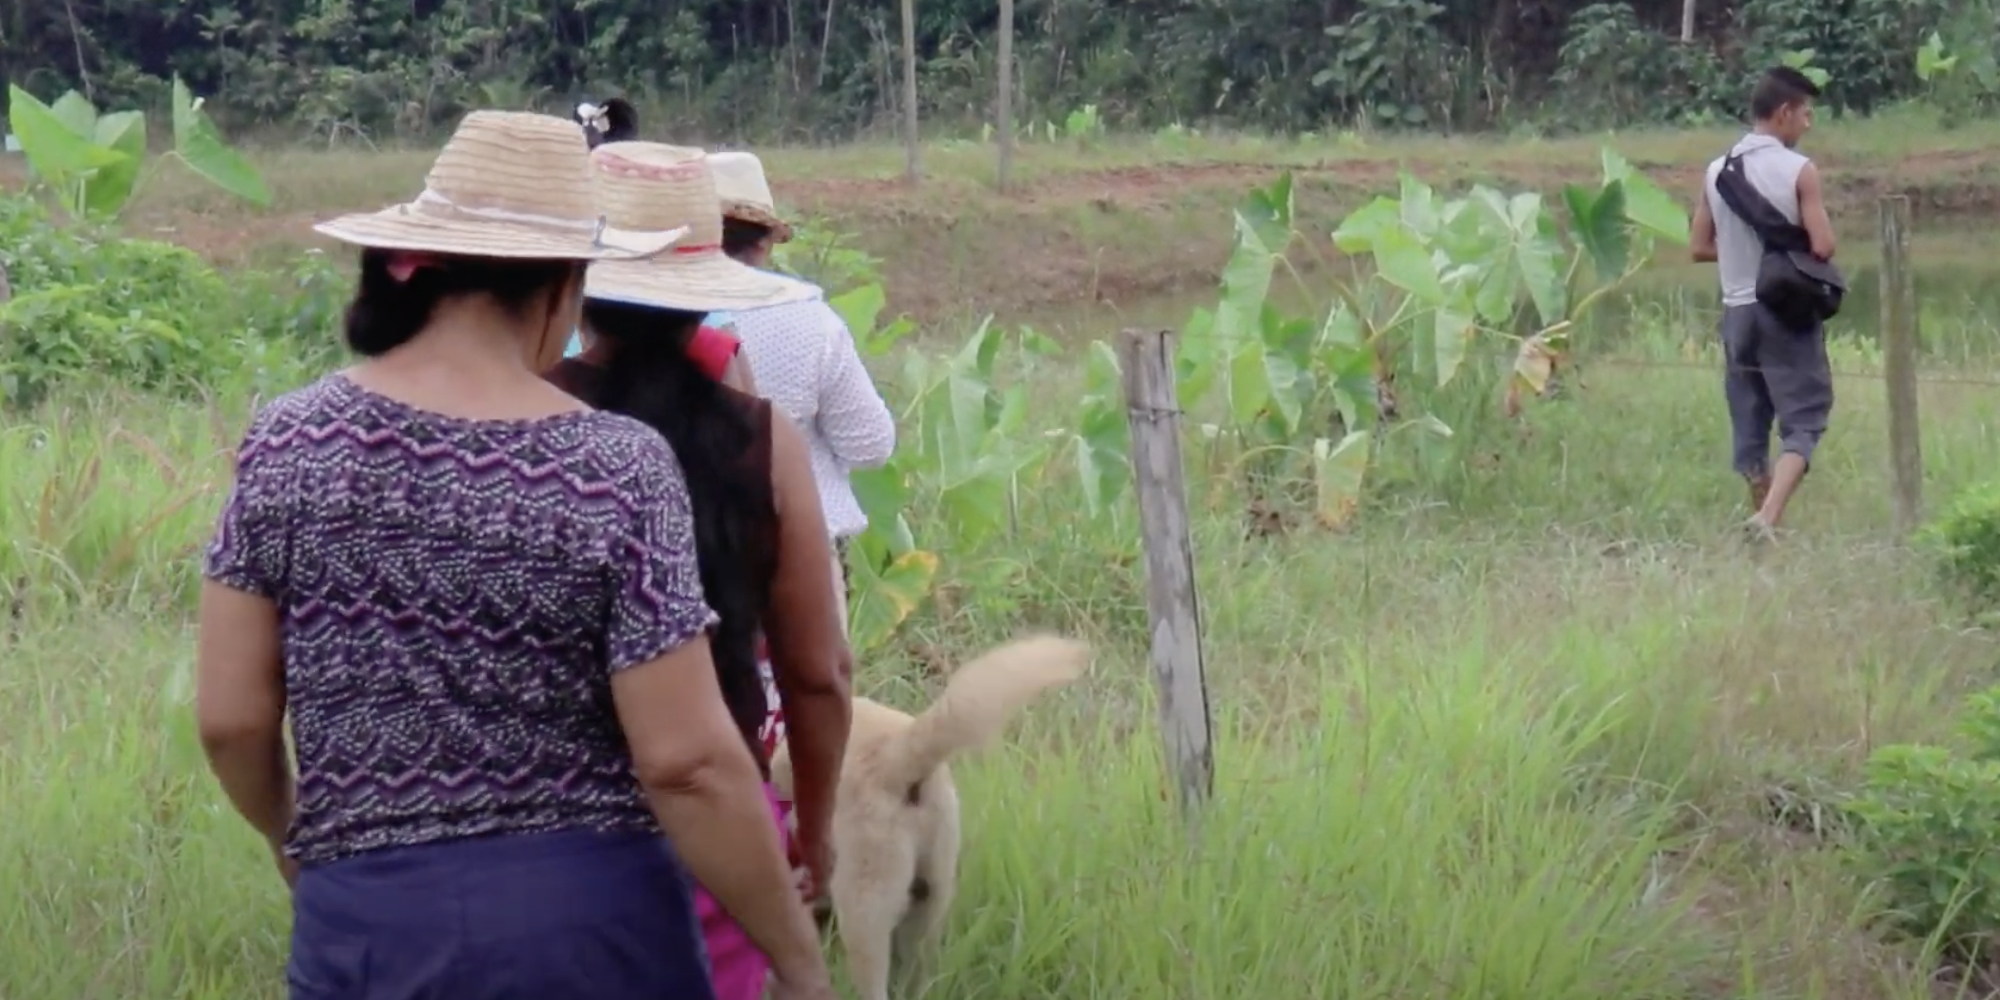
x=1773, y=374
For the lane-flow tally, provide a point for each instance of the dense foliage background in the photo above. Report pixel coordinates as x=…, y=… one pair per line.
x=828, y=69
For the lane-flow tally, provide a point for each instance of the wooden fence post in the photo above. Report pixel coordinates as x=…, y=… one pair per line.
x=1147, y=361
x=1899, y=362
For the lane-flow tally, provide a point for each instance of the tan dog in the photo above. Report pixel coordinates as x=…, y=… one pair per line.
x=895, y=819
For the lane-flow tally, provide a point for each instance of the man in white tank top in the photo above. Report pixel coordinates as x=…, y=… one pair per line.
x=1773, y=373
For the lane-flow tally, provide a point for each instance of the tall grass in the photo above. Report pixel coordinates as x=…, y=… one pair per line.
x=1536, y=731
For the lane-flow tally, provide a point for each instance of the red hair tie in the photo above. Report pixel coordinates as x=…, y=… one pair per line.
x=403, y=264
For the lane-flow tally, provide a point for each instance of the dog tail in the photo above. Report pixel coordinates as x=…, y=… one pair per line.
x=978, y=702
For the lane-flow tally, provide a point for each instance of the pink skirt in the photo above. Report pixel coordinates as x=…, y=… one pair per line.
x=736, y=967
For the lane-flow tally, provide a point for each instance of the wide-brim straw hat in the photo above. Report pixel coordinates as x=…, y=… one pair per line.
x=650, y=185
x=511, y=185
x=746, y=195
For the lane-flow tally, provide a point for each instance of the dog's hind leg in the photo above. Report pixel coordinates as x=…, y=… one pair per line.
x=935, y=885
x=870, y=895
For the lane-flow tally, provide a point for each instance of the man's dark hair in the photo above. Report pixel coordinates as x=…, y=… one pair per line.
x=1780, y=88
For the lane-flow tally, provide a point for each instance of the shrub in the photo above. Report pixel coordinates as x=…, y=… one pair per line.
x=1926, y=817
x=89, y=306
x=1966, y=541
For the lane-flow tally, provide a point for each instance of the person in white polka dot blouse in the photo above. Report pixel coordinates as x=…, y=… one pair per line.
x=803, y=356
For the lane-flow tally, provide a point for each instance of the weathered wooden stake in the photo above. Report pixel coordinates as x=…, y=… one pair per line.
x=1899, y=357
x=1147, y=360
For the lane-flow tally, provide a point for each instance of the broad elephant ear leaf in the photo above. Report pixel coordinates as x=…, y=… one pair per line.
x=77, y=113
x=1598, y=223
x=125, y=133
x=202, y=149
x=56, y=152
x=884, y=599
x=1339, y=473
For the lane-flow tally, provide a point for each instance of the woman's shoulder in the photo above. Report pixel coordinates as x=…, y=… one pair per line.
x=635, y=457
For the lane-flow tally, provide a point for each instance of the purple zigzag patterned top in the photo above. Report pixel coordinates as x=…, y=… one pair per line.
x=455, y=596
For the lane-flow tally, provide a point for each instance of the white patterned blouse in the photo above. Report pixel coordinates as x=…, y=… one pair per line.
x=805, y=362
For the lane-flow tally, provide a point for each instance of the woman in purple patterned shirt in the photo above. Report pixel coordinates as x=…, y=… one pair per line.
x=478, y=602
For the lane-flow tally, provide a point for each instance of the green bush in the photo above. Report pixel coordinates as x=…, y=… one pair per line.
x=1925, y=833
x=1966, y=541
x=88, y=306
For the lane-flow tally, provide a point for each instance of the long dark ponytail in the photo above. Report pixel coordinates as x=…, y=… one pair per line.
x=651, y=378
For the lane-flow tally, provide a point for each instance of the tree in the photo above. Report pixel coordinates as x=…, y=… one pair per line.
x=1004, y=111
x=910, y=138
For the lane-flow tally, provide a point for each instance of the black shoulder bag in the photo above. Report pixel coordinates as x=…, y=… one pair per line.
x=1799, y=288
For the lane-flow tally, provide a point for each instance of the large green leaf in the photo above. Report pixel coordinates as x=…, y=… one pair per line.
x=1525, y=254
x=858, y=308
x=1249, y=381
x=1284, y=379
x=202, y=149
x=77, y=113
x=1102, y=438
x=1351, y=381
x=884, y=599
x=1646, y=206
x=1417, y=206
x=108, y=191
x=1342, y=327
x=1246, y=280
x=1405, y=263
x=1196, y=363
x=1358, y=231
x=57, y=153
x=1598, y=223
x=1339, y=473
x=1453, y=335
x=1268, y=213
x=883, y=491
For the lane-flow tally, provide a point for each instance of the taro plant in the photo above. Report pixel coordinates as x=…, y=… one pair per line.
x=961, y=456
x=886, y=570
x=1309, y=399
x=95, y=163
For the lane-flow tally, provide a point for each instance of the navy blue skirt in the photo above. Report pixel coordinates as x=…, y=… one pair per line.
x=571, y=915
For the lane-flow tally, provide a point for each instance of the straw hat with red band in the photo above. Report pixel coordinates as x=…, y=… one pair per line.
x=507, y=185
x=649, y=185
x=746, y=195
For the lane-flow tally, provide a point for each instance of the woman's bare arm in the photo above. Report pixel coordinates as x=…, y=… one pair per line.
x=706, y=792
x=240, y=705
x=809, y=651
x=687, y=753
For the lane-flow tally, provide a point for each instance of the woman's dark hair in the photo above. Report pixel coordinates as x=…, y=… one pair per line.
x=651, y=378
x=739, y=236
x=386, y=313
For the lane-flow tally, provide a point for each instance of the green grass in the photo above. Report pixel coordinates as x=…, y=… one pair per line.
x=1537, y=730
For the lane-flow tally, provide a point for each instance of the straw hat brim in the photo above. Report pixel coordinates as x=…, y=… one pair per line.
x=708, y=282
x=401, y=229
x=781, y=231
